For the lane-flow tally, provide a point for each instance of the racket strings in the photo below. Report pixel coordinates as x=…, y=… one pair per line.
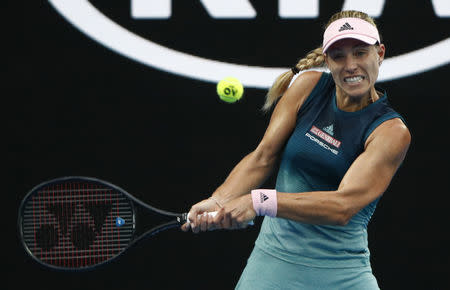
x=75, y=224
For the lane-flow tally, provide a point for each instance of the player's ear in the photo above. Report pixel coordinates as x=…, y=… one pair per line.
x=325, y=56
x=381, y=51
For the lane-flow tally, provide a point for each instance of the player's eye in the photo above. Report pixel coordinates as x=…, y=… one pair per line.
x=336, y=56
x=360, y=52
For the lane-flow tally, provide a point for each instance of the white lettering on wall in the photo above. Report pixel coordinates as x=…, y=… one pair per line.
x=441, y=7
x=298, y=8
x=160, y=9
x=243, y=9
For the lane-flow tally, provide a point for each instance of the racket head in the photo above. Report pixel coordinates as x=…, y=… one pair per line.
x=76, y=223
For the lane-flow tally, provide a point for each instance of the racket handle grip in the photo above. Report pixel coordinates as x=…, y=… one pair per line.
x=213, y=214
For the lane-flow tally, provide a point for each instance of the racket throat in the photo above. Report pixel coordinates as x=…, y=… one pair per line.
x=182, y=218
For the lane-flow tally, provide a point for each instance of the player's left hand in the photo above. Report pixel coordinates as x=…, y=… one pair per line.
x=236, y=214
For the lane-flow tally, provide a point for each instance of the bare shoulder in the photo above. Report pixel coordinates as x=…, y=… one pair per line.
x=391, y=129
x=308, y=78
x=301, y=87
x=391, y=137
x=305, y=82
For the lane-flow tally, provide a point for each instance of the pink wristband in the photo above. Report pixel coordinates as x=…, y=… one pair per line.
x=265, y=202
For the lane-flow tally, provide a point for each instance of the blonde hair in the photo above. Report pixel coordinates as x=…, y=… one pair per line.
x=313, y=59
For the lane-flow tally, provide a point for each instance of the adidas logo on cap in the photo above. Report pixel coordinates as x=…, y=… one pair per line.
x=346, y=26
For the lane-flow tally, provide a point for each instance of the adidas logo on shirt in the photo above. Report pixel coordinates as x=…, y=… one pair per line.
x=329, y=130
x=263, y=197
x=346, y=26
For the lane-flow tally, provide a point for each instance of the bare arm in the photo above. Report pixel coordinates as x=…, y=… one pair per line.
x=254, y=168
x=367, y=179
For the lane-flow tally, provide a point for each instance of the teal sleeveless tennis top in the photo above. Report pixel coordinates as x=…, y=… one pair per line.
x=323, y=145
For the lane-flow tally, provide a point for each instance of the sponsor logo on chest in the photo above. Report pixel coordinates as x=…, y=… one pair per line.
x=324, y=134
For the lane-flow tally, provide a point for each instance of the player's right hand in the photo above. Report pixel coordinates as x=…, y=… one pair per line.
x=199, y=220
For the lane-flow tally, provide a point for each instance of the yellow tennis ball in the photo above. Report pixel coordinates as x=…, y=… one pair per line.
x=230, y=89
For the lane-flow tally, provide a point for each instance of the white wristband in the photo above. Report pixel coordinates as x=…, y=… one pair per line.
x=265, y=202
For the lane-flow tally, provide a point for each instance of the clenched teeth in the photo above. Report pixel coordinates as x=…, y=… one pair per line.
x=353, y=79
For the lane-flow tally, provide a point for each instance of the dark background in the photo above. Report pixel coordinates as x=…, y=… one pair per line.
x=78, y=108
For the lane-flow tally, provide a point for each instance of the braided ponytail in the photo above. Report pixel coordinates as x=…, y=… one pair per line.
x=315, y=58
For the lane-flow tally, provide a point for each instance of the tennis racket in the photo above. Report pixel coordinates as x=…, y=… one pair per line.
x=78, y=223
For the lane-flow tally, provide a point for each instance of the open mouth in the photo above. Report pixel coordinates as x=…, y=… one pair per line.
x=353, y=80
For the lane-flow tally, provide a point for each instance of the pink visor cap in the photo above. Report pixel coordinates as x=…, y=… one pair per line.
x=350, y=28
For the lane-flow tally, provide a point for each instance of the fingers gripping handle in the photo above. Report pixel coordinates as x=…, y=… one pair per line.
x=212, y=214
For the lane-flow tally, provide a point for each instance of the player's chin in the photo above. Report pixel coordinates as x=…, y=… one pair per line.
x=357, y=92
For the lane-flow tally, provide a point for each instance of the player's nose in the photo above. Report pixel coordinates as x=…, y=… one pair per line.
x=350, y=64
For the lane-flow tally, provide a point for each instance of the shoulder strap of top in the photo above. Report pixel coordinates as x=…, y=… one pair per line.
x=324, y=84
x=391, y=114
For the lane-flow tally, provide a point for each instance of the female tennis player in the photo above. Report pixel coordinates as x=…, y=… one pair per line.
x=340, y=144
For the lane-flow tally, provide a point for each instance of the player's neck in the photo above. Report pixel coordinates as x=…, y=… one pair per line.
x=348, y=103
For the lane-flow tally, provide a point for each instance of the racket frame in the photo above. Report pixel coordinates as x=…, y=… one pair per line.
x=179, y=219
